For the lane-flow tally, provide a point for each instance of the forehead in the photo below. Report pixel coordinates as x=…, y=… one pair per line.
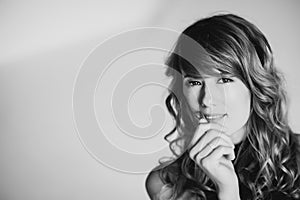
x=213, y=73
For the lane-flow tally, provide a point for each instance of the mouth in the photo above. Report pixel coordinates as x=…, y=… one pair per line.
x=210, y=117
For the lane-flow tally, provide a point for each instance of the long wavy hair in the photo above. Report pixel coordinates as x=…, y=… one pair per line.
x=236, y=46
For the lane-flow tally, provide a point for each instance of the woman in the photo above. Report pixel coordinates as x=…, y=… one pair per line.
x=229, y=104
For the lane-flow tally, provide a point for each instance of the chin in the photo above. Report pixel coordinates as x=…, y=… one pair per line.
x=236, y=135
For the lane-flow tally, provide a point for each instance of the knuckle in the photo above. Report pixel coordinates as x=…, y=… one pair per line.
x=217, y=141
x=223, y=148
x=213, y=131
x=217, y=133
x=191, y=154
x=205, y=162
x=197, y=159
x=219, y=149
x=202, y=128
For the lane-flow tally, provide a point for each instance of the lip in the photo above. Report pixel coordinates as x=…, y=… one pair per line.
x=210, y=117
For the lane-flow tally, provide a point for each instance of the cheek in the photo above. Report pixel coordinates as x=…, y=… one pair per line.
x=191, y=97
x=239, y=101
x=238, y=106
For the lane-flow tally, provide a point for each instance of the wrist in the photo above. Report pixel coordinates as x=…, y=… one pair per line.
x=229, y=196
x=229, y=193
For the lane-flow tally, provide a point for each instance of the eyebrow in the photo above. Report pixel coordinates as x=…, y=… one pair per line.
x=198, y=76
x=192, y=76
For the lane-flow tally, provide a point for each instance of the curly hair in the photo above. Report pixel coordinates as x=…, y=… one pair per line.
x=235, y=46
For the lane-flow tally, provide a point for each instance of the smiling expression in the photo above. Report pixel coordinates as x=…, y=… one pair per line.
x=224, y=99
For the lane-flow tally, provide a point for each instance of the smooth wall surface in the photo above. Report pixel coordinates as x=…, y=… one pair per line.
x=43, y=46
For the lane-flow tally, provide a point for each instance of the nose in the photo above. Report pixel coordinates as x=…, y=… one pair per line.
x=210, y=94
x=205, y=98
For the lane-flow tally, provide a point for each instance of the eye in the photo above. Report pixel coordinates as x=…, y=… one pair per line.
x=225, y=80
x=194, y=83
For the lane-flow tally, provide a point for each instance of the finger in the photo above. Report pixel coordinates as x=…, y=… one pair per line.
x=211, y=135
x=214, y=157
x=221, y=151
x=215, y=143
x=204, y=121
x=226, y=162
x=202, y=128
x=202, y=151
x=220, y=141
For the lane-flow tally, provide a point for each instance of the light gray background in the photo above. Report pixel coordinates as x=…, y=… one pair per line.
x=42, y=46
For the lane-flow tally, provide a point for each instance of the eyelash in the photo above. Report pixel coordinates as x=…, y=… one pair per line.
x=194, y=83
x=228, y=79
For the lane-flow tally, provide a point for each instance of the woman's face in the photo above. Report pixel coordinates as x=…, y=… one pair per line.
x=224, y=100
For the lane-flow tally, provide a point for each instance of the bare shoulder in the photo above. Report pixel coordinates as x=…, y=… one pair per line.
x=153, y=183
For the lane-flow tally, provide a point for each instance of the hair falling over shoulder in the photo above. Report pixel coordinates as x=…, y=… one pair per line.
x=239, y=47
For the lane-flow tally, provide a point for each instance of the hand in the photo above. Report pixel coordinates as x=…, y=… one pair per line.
x=213, y=151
